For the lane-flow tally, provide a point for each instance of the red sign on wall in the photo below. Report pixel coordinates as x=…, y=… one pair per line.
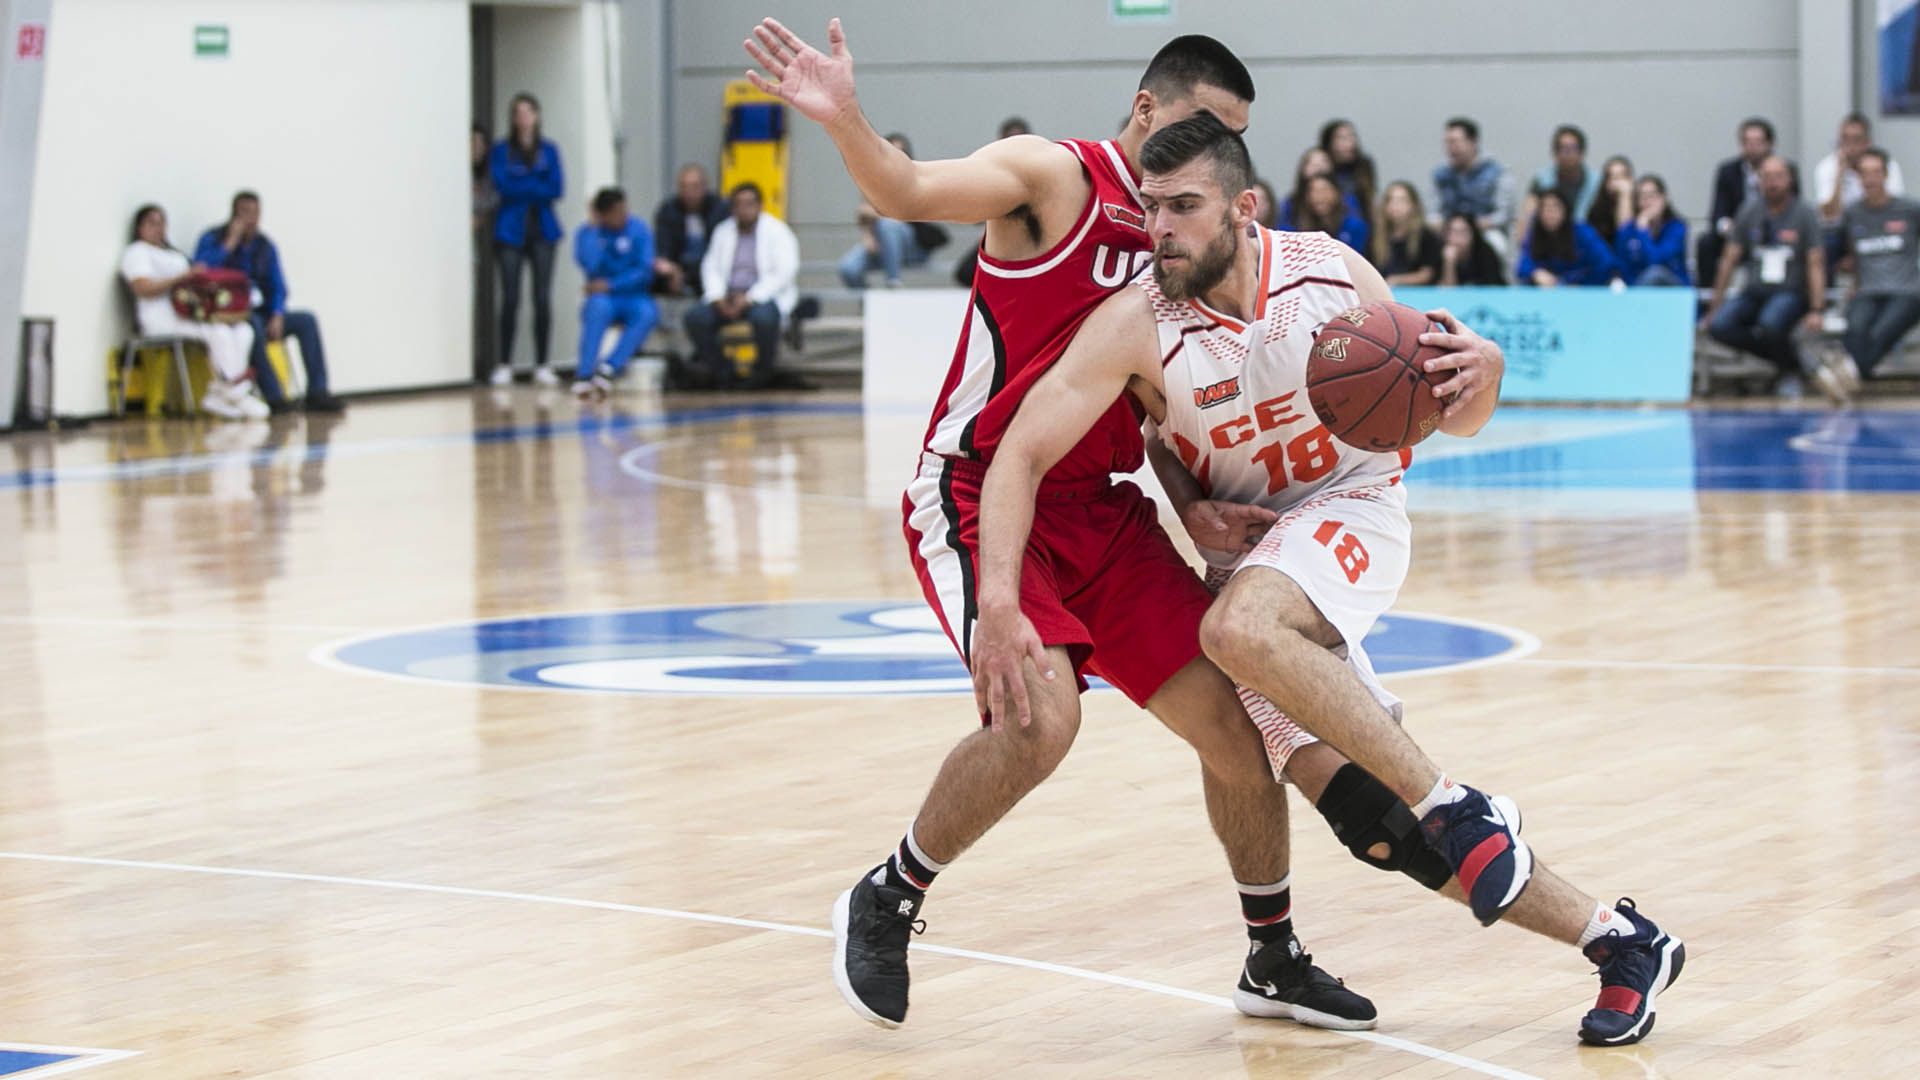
x=33, y=42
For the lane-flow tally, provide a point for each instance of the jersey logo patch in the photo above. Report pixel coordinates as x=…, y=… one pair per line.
x=1206, y=397
x=1122, y=215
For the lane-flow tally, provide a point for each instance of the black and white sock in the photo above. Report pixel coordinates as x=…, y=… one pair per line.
x=1268, y=909
x=909, y=867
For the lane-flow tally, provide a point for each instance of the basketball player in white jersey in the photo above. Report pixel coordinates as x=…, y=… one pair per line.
x=1214, y=346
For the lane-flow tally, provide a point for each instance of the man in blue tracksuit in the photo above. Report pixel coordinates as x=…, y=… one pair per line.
x=615, y=252
x=240, y=245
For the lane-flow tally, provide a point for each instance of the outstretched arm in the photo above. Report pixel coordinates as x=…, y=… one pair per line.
x=993, y=182
x=1116, y=343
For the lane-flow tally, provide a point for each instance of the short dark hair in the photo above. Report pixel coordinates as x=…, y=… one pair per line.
x=1467, y=127
x=240, y=197
x=1568, y=129
x=1200, y=135
x=607, y=198
x=747, y=185
x=1014, y=125
x=1760, y=122
x=1857, y=117
x=1877, y=152
x=899, y=138
x=1192, y=60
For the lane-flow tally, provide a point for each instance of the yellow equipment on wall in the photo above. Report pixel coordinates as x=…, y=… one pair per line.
x=754, y=145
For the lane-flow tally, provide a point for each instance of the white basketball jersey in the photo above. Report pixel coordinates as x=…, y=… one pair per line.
x=1237, y=411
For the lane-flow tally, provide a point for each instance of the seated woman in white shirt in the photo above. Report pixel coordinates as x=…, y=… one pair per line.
x=152, y=268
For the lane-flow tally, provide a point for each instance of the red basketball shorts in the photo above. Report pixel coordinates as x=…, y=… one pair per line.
x=1100, y=576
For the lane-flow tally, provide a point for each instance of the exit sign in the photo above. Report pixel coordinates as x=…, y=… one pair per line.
x=210, y=40
x=1126, y=11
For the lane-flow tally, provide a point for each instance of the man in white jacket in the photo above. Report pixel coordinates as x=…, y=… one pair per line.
x=748, y=273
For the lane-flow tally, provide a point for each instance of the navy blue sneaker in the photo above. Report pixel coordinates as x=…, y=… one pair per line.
x=1480, y=839
x=1635, y=966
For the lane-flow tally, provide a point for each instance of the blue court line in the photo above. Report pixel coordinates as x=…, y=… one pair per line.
x=19, y=1061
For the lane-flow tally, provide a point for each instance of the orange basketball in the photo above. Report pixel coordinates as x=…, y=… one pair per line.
x=1365, y=379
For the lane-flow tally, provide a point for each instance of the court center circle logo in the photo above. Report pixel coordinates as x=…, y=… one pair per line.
x=811, y=648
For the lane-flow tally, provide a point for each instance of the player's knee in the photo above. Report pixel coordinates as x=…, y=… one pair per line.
x=1228, y=633
x=1046, y=738
x=1378, y=828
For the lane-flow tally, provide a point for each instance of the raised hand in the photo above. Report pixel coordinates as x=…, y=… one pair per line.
x=819, y=85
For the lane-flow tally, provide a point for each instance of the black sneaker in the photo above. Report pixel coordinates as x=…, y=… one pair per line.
x=1635, y=965
x=1480, y=839
x=1280, y=981
x=871, y=925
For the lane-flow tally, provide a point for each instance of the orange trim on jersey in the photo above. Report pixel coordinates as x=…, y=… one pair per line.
x=1266, y=267
x=1260, y=307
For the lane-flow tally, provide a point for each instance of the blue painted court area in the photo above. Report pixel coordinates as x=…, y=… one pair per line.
x=1682, y=449
x=782, y=649
x=13, y=1062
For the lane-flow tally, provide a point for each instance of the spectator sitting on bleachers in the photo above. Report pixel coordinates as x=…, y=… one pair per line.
x=240, y=245
x=748, y=273
x=615, y=252
x=1313, y=162
x=1322, y=209
x=1467, y=183
x=1613, y=205
x=1836, y=180
x=1406, y=250
x=1736, y=181
x=1777, y=237
x=892, y=245
x=1465, y=256
x=151, y=268
x=1576, y=181
x=1353, y=170
x=1881, y=233
x=681, y=226
x=1651, y=248
x=1559, y=250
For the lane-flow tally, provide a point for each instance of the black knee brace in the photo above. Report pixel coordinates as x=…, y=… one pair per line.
x=1364, y=813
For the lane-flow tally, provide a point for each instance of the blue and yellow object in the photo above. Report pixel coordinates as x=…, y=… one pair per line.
x=755, y=146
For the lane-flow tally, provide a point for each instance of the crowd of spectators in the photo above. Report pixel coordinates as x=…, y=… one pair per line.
x=1763, y=258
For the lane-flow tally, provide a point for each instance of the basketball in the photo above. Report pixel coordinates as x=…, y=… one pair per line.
x=1365, y=379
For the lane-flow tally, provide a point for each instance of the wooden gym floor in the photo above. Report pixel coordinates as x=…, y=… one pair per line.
x=272, y=805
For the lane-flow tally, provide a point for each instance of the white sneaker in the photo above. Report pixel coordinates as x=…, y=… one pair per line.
x=218, y=402
x=582, y=389
x=502, y=375
x=251, y=407
x=544, y=376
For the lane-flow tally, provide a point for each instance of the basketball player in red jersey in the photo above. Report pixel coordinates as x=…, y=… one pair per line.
x=1227, y=301
x=1063, y=230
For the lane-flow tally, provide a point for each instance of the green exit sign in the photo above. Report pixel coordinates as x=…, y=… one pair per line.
x=1125, y=11
x=209, y=40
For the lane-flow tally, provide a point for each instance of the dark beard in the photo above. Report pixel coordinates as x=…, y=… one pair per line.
x=1205, y=271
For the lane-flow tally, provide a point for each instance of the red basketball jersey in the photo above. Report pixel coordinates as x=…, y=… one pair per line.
x=1023, y=314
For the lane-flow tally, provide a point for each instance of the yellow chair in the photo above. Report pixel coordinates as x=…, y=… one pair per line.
x=140, y=370
x=754, y=146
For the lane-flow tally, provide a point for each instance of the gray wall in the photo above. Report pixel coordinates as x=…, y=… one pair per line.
x=1665, y=83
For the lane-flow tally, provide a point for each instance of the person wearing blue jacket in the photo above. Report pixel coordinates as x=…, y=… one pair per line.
x=1651, y=249
x=615, y=253
x=240, y=245
x=528, y=179
x=1559, y=250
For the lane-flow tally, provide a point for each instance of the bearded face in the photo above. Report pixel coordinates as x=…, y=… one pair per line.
x=1183, y=274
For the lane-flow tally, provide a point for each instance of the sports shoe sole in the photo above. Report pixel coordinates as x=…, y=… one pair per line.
x=1673, y=957
x=1830, y=384
x=1266, y=1008
x=841, y=908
